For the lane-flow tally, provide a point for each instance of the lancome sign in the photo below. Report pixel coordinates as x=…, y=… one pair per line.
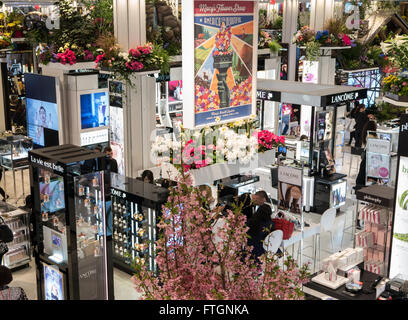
x=290, y=175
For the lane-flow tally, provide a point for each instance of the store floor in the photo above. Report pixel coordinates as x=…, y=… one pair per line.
x=124, y=289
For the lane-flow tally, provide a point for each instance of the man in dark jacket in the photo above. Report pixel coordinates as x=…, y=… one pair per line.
x=260, y=224
x=361, y=120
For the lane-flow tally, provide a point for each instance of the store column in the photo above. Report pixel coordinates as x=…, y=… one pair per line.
x=321, y=11
x=289, y=28
x=139, y=110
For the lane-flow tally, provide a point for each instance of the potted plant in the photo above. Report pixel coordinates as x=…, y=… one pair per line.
x=395, y=85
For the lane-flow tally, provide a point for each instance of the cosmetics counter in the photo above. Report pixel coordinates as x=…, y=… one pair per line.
x=71, y=255
x=322, y=108
x=136, y=209
x=18, y=220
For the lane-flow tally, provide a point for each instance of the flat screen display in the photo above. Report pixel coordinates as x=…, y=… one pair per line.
x=53, y=195
x=94, y=110
x=41, y=115
x=53, y=283
x=338, y=194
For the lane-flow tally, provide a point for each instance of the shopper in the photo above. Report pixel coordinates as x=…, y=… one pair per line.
x=147, y=176
x=7, y=293
x=92, y=165
x=260, y=224
x=352, y=123
x=361, y=120
x=112, y=164
x=369, y=131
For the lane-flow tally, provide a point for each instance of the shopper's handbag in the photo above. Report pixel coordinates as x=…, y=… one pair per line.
x=6, y=235
x=286, y=226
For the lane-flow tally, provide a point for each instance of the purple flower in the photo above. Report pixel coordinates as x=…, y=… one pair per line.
x=165, y=45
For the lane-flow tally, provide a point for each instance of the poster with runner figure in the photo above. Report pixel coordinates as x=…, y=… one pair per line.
x=224, y=60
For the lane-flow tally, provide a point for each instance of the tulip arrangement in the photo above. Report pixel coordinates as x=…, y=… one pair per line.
x=268, y=140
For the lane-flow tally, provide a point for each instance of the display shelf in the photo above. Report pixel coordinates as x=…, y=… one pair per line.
x=220, y=170
x=329, y=48
x=320, y=279
x=375, y=207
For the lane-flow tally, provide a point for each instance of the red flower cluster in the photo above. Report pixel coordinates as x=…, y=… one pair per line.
x=134, y=65
x=268, y=140
x=67, y=57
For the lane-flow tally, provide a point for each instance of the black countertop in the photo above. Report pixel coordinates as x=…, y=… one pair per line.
x=332, y=179
x=368, y=278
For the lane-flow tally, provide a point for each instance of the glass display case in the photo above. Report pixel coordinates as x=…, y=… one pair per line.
x=70, y=224
x=136, y=208
x=14, y=151
x=17, y=220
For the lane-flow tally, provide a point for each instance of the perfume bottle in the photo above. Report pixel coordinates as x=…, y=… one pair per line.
x=116, y=249
x=96, y=210
x=81, y=191
x=95, y=182
x=115, y=235
x=115, y=220
x=123, y=209
x=121, y=251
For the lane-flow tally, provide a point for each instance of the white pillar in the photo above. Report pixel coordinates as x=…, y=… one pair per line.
x=289, y=28
x=140, y=111
x=321, y=10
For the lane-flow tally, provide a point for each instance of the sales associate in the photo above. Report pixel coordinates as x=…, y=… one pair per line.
x=260, y=224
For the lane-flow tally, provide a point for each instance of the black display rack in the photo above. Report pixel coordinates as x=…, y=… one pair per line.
x=72, y=253
x=136, y=209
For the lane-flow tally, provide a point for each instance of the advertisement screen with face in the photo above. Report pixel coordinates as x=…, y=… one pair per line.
x=40, y=115
x=42, y=110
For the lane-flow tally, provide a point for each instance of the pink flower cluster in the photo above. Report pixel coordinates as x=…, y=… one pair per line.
x=268, y=140
x=196, y=157
x=88, y=55
x=67, y=57
x=346, y=40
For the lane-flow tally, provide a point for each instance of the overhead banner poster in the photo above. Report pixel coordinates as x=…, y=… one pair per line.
x=224, y=61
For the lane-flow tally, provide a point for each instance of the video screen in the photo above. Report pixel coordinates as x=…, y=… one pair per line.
x=53, y=283
x=40, y=115
x=175, y=90
x=52, y=195
x=94, y=110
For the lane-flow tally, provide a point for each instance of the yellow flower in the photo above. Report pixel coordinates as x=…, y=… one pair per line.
x=74, y=46
x=217, y=119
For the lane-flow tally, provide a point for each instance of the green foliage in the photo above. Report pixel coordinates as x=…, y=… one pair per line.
x=385, y=112
x=312, y=51
x=101, y=11
x=360, y=57
x=274, y=46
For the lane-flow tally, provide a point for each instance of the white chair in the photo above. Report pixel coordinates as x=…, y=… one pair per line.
x=273, y=241
x=326, y=224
